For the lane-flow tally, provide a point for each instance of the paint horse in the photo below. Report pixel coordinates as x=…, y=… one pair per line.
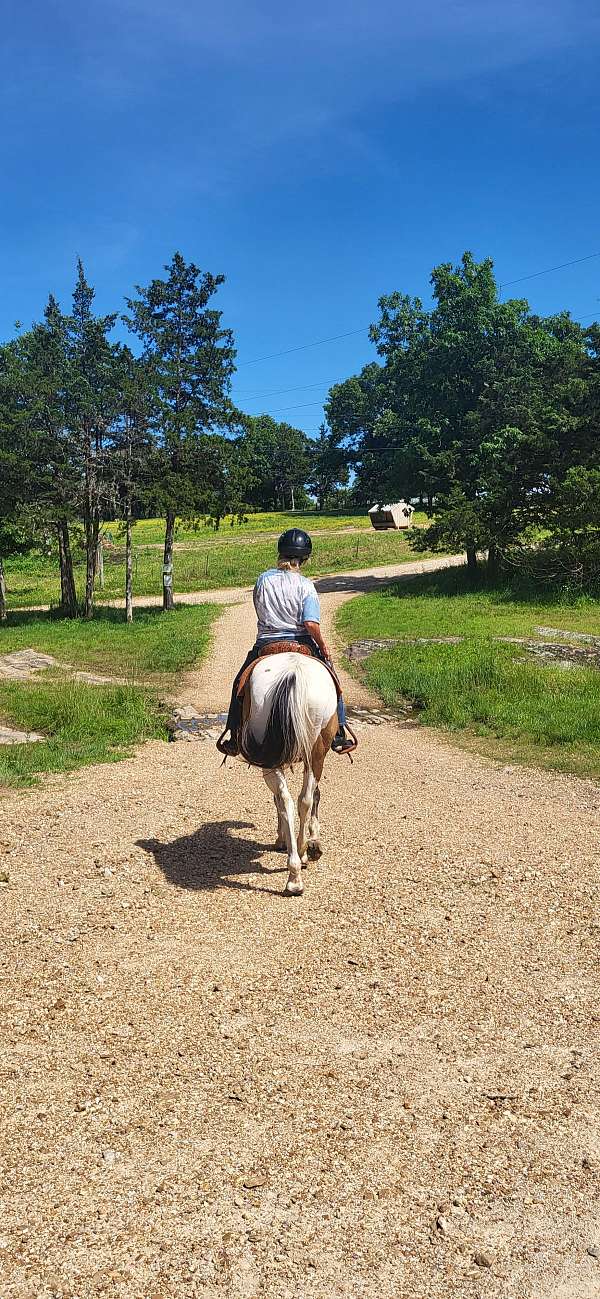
x=290, y=716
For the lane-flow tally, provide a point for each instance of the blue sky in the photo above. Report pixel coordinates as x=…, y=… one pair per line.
x=318, y=154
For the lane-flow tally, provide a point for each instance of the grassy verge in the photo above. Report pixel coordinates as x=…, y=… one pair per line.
x=210, y=565
x=85, y=723
x=481, y=690
x=154, y=645
x=448, y=603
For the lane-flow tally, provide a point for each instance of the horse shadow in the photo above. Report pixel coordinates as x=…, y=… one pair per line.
x=208, y=858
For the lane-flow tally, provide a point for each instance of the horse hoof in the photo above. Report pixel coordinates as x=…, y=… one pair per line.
x=314, y=850
x=294, y=888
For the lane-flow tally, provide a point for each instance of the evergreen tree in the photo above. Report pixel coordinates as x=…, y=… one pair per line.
x=190, y=360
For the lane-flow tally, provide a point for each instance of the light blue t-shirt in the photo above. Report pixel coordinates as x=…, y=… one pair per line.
x=284, y=600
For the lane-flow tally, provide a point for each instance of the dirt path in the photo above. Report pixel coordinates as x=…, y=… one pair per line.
x=387, y=1089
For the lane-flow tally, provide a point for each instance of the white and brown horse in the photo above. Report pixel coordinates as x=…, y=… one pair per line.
x=290, y=716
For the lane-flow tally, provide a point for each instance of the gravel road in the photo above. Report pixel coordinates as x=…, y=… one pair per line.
x=387, y=1088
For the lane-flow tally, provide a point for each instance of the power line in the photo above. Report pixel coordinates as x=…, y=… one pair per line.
x=275, y=392
x=318, y=342
x=549, y=270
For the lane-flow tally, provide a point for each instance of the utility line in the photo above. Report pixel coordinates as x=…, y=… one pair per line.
x=548, y=271
x=318, y=342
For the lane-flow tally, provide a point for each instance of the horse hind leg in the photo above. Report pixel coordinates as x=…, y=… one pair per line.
x=305, y=805
x=315, y=849
x=278, y=786
x=280, y=842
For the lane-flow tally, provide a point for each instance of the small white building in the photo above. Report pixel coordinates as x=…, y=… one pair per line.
x=397, y=516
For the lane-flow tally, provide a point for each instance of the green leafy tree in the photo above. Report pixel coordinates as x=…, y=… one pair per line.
x=93, y=407
x=330, y=467
x=190, y=360
x=132, y=452
x=278, y=458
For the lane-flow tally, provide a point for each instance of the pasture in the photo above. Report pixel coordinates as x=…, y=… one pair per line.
x=499, y=697
x=206, y=560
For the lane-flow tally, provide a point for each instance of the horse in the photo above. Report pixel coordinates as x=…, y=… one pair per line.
x=290, y=716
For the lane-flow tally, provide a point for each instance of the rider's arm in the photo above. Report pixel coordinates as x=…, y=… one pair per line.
x=314, y=630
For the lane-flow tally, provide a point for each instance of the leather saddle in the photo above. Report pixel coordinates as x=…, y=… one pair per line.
x=282, y=647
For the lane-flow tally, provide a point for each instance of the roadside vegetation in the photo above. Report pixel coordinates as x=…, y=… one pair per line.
x=87, y=723
x=486, y=691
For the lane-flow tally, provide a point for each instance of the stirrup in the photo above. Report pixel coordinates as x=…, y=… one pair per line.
x=349, y=747
x=222, y=744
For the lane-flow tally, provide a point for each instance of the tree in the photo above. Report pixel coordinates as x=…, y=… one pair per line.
x=131, y=451
x=92, y=410
x=277, y=457
x=190, y=359
x=40, y=378
x=470, y=407
x=330, y=466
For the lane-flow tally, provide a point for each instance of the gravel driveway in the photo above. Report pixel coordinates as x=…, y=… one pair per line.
x=385, y=1089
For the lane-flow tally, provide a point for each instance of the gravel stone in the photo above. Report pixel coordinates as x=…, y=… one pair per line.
x=504, y=993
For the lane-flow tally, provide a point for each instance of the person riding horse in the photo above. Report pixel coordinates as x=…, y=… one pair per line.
x=287, y=609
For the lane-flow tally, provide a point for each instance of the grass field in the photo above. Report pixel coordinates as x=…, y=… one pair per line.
x=150, y=532
x=87, y=723
x=209, y=563
x=486, y=691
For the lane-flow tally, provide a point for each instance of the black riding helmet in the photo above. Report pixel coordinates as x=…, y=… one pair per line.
x=294, y=544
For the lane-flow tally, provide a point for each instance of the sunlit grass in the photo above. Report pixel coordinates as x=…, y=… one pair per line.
x=483, y=690
x=84, y=724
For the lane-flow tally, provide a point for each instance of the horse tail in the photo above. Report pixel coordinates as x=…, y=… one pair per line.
x=288, y=736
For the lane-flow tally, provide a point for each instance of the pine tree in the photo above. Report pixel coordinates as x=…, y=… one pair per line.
x=190, y=360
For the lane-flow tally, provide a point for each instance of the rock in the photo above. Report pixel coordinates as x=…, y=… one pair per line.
x=4, y=875
x=110, y=1157
x=482, y=1259
x=252, y=1183
x=10, y=736
x=593, y=1251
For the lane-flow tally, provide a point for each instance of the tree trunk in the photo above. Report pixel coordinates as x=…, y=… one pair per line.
x=128, y=583
x=3, y=614
x=493, y=564
x=471, y=559
x=168, y=602
x=68, y=594
x=92, y=529
x=100, y=564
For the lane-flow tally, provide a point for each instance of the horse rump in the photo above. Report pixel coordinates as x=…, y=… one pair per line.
x=287, y=737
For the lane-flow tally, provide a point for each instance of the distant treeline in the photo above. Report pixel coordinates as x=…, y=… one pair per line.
x=485, y=411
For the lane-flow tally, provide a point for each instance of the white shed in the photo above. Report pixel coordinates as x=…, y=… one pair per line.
x=397, y=516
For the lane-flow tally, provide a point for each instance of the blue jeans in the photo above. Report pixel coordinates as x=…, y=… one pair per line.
x=234, y=716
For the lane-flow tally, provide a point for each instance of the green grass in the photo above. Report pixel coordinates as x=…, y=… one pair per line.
x=209, y=565
x=447, y=604
x=154, y=644
x=482, y=690
x=85, y=723
x=151, y=531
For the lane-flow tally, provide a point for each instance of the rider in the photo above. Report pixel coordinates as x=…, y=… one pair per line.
x=287, y=608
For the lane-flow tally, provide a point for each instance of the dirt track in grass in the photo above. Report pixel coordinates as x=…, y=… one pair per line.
x=387, y=1088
